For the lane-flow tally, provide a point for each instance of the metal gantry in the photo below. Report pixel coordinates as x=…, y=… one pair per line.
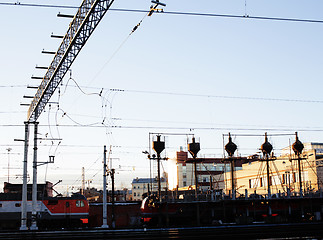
x=83, y=24
x=81, y=27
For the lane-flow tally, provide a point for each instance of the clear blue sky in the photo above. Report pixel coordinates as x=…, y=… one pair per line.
x=208, y=68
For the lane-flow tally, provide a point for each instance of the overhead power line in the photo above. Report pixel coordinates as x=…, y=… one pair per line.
x=173, y=13
x=181, y=94
x=220, y=96
x=180, y=128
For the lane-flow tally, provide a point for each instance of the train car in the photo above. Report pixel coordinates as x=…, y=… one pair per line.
x=52, y=212
x=155, y=213
x=239, y=211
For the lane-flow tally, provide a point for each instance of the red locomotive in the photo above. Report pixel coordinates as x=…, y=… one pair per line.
x=52, y=212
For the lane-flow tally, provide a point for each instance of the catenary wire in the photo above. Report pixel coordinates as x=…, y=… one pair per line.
x=172, y=13
x=176, y=128
x=184, y=94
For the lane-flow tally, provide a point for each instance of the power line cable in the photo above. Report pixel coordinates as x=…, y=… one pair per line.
x=120, y=46
x=180, y=94
x=178, y=128
x=219, y=96
x=172, y=13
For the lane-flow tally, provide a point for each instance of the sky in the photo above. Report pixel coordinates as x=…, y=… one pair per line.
x=176, y=75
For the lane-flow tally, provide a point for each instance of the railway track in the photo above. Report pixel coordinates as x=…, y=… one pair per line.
x=259, y=231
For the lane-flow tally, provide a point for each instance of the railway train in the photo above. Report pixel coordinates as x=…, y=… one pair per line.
x=52, y=212
x=238, y=211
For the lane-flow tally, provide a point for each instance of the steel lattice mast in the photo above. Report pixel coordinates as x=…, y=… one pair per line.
x=83, y=24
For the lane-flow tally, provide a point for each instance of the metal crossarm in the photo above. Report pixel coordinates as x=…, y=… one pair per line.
x=83, y=24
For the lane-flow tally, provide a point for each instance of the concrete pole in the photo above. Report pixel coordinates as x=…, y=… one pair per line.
x=232, y=180
x=34, y=192
x=158, y=178
x=268, y=185
x=268, y=177
x=300, y=176
x=105, y=212
x=23, y=225
x=113, y=203
x=196, y=180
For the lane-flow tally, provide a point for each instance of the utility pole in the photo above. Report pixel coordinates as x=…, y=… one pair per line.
x=194, y=148
x=9, y=149
x=105, y=220
x=24, y=185
x=298, y=148
x=266, y=149
x=83, y=181
x=34, y=191
x=231, y=147
x=113, y=212
x=158, y=146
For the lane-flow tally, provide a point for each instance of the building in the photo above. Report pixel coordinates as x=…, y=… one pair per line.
x=210, y=171
x=283, y=173
x=94, y=195
x=45, y=190
x=141, y=186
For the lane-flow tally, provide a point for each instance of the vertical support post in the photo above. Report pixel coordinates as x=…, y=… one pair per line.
x=268, y=185
x=268, y=177
x=113, y=212
x=300, y=177
x=34, y=191
x=83, y=181
x=196, y=194
x=105, y=212
x=211, y=183
x=232, y=180
x=158, y=178
x=24, y=185
x=196, y=180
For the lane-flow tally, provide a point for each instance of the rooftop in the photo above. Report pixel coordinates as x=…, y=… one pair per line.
x=147, y=180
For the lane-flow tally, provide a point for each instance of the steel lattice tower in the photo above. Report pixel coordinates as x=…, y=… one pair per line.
x=83, y=24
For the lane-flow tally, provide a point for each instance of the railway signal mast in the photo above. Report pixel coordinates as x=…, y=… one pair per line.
x=88, y=16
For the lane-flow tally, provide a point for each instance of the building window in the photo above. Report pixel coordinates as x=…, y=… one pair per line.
x=261, y=183
x=134, y=194
x=134, y=187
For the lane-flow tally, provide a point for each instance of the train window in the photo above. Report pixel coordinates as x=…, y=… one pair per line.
x=79, y=203
x=0, y=204
x=67, y=204
x=17, y=204
x=53, y=202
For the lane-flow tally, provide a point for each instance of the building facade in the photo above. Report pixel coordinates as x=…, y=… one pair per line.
x=283, y=173
x=141, y=187
x=210, y=171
